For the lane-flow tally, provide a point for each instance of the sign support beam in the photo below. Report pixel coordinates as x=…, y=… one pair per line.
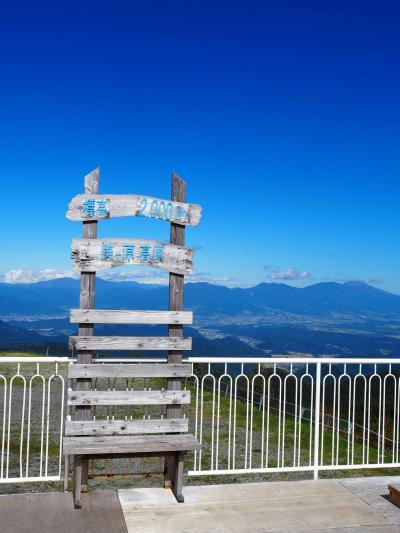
x=86, y=301
x=175, y=303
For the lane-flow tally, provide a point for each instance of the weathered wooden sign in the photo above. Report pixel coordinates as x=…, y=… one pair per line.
x=91, y=255
x=131, y=343
x=125, y=316
x=100, y=206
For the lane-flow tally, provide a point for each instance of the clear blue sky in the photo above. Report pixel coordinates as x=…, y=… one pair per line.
x=284, y=118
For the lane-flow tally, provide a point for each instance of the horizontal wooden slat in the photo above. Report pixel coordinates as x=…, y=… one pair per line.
x=96, y=316
x=91, y=255
x=156, y=397
x=101, y=206
x=130, y=370
x=132, y=444
x=130, y=343
x=126, y=427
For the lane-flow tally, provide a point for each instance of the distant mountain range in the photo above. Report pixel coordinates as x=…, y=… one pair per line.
x=349, y=319
x=322, y=300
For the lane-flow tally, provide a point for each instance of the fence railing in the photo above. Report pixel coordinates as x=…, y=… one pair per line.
x=32, y=398
x=292, y=414
x=252, y=415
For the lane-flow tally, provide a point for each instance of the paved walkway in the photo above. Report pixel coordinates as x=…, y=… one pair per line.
x=374, y=492
x=53, y=512
x=351, y=505
x=299, y=506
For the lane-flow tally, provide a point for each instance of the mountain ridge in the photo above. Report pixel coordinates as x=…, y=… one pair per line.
x=323, y=299
x=339, y=319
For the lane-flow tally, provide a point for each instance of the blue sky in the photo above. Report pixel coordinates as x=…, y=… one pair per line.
x=283, y=117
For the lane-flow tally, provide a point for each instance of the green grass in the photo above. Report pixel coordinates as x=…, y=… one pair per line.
x=19, y=354
x=289, y=452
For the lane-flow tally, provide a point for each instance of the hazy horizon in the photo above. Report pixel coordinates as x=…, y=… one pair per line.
x=29, y=277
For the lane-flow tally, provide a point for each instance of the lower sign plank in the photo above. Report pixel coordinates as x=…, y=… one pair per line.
x=100, y=206
x=91, y=255
x=130, y=343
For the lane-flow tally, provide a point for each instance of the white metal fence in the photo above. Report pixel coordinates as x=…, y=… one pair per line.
x=251, y=415
x=32, y=397
x=295, y=414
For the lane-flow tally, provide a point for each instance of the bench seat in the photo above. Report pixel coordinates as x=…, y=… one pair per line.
x=130, y=444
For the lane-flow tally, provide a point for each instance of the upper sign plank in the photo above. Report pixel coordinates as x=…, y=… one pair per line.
x=91, y=255
x=99, y=206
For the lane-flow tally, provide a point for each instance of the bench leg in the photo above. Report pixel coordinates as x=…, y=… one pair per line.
x=66, y=472
x=85, y=474
x=177, y=480
x=78, y=465
x=169, y=463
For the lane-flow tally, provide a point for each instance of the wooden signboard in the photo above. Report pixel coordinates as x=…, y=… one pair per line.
x=125, y=316
x=91, y=255
x=99, y=206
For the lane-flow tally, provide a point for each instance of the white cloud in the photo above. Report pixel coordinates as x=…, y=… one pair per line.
x=368, y=281
x=145, y=276
x=151, y=276
x=22, y=275
x=290, y=274
x=208, y=277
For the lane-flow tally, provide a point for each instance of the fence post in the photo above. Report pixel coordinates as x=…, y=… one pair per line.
x=261, y=402
x=316, y=418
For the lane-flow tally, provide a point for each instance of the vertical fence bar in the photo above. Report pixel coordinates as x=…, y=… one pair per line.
x=316, y=420
x=3, y=439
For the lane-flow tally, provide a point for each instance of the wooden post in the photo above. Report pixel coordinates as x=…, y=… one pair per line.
x=86, y=301
x=176, y=283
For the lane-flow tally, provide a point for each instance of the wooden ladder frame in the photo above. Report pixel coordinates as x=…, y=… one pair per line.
x=173, y=469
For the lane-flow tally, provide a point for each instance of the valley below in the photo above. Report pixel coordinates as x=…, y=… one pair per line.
x=326, y=319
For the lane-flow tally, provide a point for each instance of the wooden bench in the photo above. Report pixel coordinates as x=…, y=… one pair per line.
x=165, y=437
